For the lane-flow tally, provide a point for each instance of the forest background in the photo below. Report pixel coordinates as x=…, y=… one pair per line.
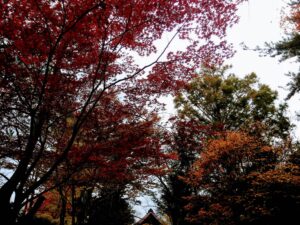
x=260, y=22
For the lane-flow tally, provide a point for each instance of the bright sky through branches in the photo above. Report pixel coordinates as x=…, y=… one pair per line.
x=260, y=22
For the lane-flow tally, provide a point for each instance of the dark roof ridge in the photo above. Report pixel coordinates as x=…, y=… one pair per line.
x=150, y=212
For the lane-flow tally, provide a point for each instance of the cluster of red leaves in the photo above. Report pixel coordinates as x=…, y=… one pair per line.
x=92, y=38
x=119, y=145
x=58, y=58
x=63, y=65
x=294, y=17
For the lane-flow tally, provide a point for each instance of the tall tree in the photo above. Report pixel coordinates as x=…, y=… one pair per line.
x=209, y=104
x=114, y=148
x=111, y=208
x=289, y=47
x=233, y=103
x=60, y=58
x=186, y=141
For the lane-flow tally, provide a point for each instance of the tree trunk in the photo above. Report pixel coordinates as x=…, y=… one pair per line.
x=63, y=206
x=7, y=216
x=73, y=203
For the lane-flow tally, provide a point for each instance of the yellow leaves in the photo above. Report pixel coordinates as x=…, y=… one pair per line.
x=70, y=122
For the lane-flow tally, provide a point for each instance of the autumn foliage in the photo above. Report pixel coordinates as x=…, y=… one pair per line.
x=241, y=181
x=65, y=66
x=186, y=141
x=226, y=128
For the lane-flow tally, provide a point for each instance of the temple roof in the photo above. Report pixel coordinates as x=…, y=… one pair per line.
x=150, y=219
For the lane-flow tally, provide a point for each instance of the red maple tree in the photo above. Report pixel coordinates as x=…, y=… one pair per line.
x=59, y=59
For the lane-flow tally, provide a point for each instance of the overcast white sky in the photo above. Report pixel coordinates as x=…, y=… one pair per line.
x=259, y=23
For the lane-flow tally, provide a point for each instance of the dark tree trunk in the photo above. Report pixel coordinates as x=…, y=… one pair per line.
x=73, y=204
x=63, y=206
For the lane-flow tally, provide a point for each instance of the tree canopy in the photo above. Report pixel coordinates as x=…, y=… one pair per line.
x=233, y=103
x=64, y=62
x=289, y=46
x=210, y=105
x=242, y=181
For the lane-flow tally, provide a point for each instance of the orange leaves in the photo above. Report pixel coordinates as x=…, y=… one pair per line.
x=239, y=179
x=227, y=154
x=230, y=142
x=283, y=174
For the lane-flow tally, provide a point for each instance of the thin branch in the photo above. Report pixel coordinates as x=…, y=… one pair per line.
x=1, y=174
x=148, y=65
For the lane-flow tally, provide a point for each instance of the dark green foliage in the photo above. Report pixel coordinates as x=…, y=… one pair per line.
x=110, y=209
x=172, y=200
x=289, y=47
x=186, y=142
